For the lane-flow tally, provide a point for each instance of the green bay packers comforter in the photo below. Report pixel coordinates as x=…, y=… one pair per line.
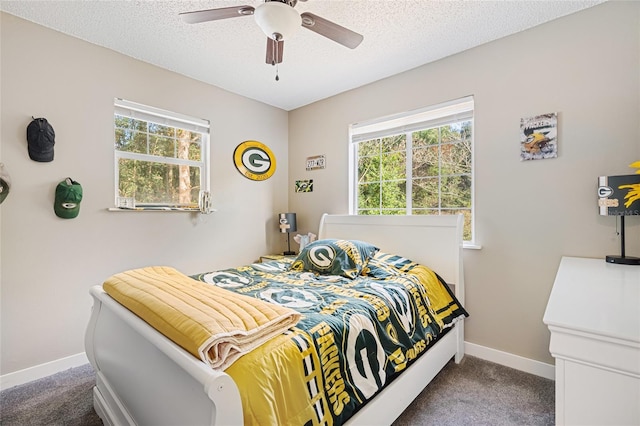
x=362, y=324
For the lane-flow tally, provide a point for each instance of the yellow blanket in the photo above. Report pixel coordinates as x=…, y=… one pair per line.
x=214, y=324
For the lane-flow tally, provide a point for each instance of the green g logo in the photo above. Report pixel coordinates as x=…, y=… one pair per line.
x=322, y=256
x=254, y=160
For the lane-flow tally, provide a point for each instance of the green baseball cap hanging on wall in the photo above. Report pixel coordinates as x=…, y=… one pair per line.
x=68, y=197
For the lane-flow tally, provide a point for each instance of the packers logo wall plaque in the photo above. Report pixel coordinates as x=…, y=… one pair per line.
x=254, y=160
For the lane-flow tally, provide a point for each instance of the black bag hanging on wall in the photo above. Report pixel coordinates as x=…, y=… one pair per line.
x=41, y=138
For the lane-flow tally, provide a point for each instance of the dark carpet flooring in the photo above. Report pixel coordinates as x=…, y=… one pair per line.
x=64, y=399
x=475, y=392
x=478, y=392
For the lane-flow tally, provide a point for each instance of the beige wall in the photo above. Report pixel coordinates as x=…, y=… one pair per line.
x=586, y=67
x=48, y=264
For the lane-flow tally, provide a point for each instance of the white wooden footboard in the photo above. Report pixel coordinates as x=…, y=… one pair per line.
x=143, y=378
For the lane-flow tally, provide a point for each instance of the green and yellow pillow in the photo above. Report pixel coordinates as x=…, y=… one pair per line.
x=334, y=257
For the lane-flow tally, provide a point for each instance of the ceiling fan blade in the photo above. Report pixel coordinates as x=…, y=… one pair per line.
x=331, y=30
x=198, y=16
x=274, y=51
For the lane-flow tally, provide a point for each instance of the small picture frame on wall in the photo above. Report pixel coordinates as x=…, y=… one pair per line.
x=539, y=137
x=304, y=185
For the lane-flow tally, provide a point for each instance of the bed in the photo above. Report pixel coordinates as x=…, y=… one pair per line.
x=144, y=378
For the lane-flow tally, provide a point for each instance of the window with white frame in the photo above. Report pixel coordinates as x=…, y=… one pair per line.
x=161, y=158
x=419, y=162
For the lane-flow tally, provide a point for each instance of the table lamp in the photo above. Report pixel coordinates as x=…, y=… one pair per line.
x=620, y=196
x=287, y=223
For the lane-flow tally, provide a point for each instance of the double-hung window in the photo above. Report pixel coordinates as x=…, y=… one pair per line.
x=420, y=162
x=161, y=158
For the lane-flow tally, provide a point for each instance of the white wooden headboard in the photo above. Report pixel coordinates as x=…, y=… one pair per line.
x=434, y=241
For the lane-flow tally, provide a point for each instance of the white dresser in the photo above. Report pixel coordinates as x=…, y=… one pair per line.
x=593, y=314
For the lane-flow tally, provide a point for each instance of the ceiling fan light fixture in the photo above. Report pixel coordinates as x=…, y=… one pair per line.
x=278, y=21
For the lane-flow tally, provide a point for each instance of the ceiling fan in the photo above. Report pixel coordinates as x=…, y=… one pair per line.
x=279, y=21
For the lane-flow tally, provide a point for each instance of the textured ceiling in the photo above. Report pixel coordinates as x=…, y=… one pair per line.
x=398, y=35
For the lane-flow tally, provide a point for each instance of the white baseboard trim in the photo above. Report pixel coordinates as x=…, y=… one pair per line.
x=43, y=370
x=499, y=357
x=548, y=371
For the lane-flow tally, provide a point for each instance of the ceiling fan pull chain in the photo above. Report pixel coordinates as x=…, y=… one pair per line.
x=275, y=49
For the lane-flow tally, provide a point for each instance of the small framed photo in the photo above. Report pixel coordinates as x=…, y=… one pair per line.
x=539, y=137
x=304, y=185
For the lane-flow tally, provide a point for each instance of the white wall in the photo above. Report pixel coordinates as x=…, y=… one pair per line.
x=48, y=263
x=586, y=67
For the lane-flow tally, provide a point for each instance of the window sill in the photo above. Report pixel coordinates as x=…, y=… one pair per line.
x=156, y=209
x=471, y=246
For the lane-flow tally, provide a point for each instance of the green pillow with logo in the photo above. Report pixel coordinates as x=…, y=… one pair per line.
x=334, y=257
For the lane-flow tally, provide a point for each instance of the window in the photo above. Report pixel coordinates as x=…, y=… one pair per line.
x=419, y=162
x=161, y=158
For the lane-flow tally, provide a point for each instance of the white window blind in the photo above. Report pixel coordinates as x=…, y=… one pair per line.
x=159, y=116
x=433, y=116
